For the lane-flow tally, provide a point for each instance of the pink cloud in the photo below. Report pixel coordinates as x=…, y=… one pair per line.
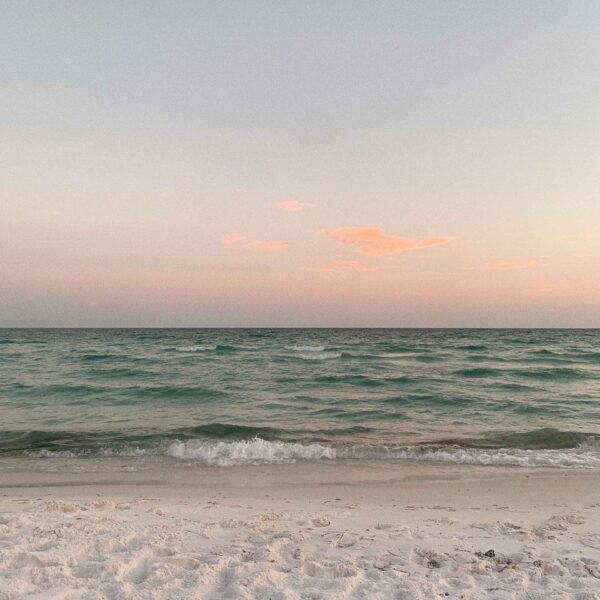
x=271, y=245
x=350, y=265
x=372, y=241
x=294, y=205
x=509, y=266
x=232, y=238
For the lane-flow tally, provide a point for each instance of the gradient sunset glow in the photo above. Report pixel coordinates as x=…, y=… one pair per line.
x=300, y=164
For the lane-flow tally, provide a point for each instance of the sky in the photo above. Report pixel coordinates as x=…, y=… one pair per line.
x=303, y=163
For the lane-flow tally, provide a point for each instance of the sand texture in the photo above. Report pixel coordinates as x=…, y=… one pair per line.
x=520, y=536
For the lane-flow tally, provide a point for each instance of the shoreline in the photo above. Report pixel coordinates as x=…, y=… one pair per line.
x=302, y=531
x=383, y=477
x=302, y=473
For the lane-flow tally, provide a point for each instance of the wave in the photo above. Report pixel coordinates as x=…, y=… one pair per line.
x=398, y=350
x=76, y=443
x=319, y=355
x=179, y=392
x=473, y=347
x=218, y=348
x=515, y=387
x=224, y=444
x=306, y=348
x=254, y=452
x=66, y=390
x=121, y=373
x=428, y=358
x=355, y=380
x=544, y=438
x=478, y=372
x=548, y=374
x=107, y=452
x=200, y=348
x=569, y=356
x=313, y=352
x=258, y=451
x=558, y=374
x=96, y=356
x=228, y=348
x=227, y=431
x=584, y=456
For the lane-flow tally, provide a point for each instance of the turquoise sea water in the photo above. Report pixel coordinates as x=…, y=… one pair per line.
x=219, y=397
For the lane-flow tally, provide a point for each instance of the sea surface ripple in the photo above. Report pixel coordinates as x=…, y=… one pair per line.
x=220, y=397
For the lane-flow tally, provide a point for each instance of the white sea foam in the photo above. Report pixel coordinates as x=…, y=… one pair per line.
x=259, y=451
x=124, y=451
x=254, y=451
x=51, y=454
x=585, y=455
x=306, y=348
x=195, y=348
x=565, y=458
x=127, y=451
x=313, y=352
x=319, y=355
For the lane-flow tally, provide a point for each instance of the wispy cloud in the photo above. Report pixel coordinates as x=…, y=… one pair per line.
x=350, y=265
x=509, y=266
x=232, y=238
x=500, y=266
x=294, y=205
x=271, y=245
x=373, y=241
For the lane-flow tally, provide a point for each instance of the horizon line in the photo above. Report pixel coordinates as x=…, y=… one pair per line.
x=432, y=328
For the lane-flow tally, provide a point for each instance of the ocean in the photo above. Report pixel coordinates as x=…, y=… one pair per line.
x=89, y=399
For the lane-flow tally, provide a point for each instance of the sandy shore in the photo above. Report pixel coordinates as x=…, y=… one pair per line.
x=308, y=531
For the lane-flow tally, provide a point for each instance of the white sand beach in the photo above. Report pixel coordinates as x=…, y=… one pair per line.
x=302, y=531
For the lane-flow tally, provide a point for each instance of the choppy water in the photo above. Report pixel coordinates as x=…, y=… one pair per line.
x=221, y=397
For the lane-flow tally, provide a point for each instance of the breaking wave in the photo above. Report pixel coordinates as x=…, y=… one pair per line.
x=254, y=452
x=258, y=451
x=581, y=457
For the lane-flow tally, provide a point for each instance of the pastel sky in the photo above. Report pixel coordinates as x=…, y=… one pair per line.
x=301, y=163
